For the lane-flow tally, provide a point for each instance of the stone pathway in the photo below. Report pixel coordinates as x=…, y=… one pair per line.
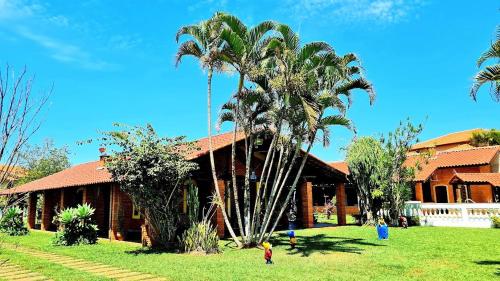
x=90, y=267
x=9, y=271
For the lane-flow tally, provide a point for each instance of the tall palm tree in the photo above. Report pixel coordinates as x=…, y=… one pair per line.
x=491, y=73
x=315, y=77
x=244, y=49
x=205, y=45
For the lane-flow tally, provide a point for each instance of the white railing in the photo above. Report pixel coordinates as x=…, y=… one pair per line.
x=450, y=214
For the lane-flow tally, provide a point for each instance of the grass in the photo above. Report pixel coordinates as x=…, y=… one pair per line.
x=322, y=218
x=336, y=253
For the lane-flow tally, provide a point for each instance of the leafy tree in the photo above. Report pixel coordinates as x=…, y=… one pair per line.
x=491, y=73
x=398, y=179
x=43, y=160
x=151, y=170
x=366, y=158
x=485, y=138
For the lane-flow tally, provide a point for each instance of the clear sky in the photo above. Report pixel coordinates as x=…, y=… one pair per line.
x=113, y=61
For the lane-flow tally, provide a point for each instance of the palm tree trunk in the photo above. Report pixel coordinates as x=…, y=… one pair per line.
x=292, y=188
x=212, y=161
x=246, y=195
x=235, y=185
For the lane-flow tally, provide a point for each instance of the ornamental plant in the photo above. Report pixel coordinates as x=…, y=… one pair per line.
x=76, y=226
x=151, y=170
x=12, y=222
x=201, y=237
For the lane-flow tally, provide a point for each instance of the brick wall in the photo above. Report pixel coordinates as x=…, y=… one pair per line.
x=306, y=204
x=51, y=198
x=341, y=202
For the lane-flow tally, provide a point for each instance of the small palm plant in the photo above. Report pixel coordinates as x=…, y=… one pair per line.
x=12, y=222
x=76, y=226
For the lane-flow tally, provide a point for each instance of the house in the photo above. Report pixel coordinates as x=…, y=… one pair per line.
x=451, y=170
x=454, y=171
x=119, y=219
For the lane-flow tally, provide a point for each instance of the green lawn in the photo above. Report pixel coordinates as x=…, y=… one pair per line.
x=337, y=253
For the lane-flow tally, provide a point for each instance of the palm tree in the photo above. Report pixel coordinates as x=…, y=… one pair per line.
x=315, y=77
x=244, y=50
x=491, y=74
x=205, y=45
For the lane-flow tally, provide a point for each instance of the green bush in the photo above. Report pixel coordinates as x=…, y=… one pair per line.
x=76, y=226
x=200, y=237
x=413, y=221
x=12, y=222
x=495, y=221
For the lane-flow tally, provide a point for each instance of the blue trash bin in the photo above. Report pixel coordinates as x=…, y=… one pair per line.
x=382, y=231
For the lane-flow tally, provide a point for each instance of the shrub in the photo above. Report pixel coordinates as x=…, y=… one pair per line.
x=200, y=237
x=76, y=226
x=413, y=221
x=12, y=222
x=495, y=221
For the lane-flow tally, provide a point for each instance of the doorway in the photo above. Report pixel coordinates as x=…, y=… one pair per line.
x=441, y=194
x=426, y=189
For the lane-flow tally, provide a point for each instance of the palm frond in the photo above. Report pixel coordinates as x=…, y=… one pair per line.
x=359, y=83
x=188, y=48
x=491, y=53
x=491, y=74
x=233, y=22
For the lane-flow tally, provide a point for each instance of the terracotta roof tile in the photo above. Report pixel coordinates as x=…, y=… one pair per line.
x=491, y=178
x=454, y=158
x=457, y=137
x=83, y=174
x=94, y=172
x=341, y=166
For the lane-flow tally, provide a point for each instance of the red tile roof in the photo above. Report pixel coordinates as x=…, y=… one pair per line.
x=218, y=142
x=444, y=159
x=491, y=178
x=457, y=137
x=341, y=166
x=79, y=175
x=94, y=172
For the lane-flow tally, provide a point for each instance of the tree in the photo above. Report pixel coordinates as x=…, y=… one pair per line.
x=244, y=51
x=151, y=170
x=399, y=176
x=205, y=45
x=20, y=110
x=39, y=161
x=491, y=74
x=485, y=138
x=294, y=87
x=366, y=171
x=288, y=91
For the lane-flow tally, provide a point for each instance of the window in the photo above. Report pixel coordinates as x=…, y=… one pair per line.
x=136, y=212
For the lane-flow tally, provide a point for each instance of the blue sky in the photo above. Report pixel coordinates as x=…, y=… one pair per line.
x=113, y=61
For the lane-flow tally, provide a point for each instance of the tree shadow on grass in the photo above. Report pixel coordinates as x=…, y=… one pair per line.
x=323, y=244
x=490, y=262
x=151, y=251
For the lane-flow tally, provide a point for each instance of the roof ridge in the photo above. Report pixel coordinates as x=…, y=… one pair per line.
x=468, y=149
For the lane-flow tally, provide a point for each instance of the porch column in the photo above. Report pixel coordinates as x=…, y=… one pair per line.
x=62, y=200
x=115, y=210
x=341, y=200
x=219, y=218
x=307, y=204
x=50, y=199
x=419, y=194
x=32, y=210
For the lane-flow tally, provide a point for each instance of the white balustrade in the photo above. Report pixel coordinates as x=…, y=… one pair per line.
x=451, y=214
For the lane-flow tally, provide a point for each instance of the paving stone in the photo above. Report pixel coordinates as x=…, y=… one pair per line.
x=90, y=267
